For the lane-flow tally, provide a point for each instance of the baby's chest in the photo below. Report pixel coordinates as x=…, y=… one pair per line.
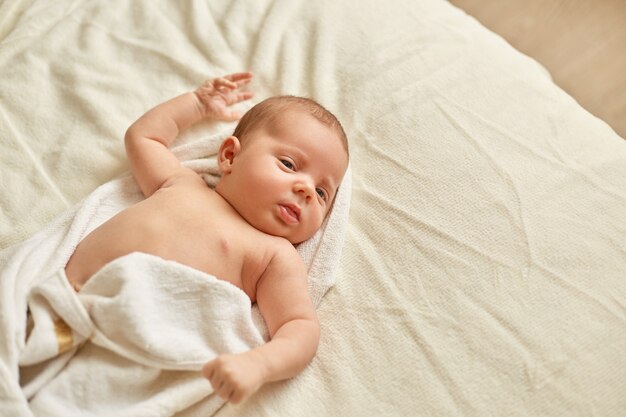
x=228, y=254
x=212, y=237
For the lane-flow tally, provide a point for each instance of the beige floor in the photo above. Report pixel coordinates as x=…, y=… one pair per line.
x=581, y=42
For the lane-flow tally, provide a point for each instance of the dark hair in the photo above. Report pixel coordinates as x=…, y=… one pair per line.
x=267, y=110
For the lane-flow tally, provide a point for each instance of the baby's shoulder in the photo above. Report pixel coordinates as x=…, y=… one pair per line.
x=183, y=178
x=269, y=257
x=285, y=255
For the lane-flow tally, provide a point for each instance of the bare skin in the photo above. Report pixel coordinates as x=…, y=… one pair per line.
x=183, y=220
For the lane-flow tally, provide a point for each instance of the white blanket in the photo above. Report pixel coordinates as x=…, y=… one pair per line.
x=155, y=317
x=484, y=264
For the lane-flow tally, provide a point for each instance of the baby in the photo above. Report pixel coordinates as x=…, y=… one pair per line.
x=280, y=172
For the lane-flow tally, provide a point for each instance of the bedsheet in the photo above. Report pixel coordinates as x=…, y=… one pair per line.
x=484, y=271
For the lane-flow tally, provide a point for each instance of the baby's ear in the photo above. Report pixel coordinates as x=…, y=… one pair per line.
x=228, y=151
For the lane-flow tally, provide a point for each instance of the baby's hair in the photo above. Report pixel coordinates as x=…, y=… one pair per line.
x=267, y=110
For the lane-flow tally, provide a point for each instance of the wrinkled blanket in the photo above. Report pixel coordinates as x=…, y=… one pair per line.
x=484, y=264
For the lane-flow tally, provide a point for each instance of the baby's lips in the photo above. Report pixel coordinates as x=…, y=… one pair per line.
x=289, y=214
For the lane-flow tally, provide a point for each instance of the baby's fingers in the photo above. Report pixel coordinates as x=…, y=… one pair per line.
x=208, y=370
x=222, y=84
x=240, y=78
x=225, y=391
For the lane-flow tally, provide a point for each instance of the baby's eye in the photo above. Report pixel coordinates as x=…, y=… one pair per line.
x=321, y=193
x=287, y=164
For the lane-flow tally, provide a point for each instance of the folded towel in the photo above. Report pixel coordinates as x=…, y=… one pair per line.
x=153, y=313
x=147, y=309
x=30, y=276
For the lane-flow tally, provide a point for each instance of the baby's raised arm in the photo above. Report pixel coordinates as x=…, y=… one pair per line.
x=290, y=316
x=148, y=139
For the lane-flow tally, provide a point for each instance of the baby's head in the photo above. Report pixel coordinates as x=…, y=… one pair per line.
x=282, y=166
x=272, y=108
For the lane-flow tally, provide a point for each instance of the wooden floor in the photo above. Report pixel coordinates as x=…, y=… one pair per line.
x=581, y=42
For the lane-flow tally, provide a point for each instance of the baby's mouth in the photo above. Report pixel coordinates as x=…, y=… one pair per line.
x=289, y=213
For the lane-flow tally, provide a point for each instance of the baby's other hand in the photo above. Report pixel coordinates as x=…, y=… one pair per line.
x=235, y=377
x=217, y=95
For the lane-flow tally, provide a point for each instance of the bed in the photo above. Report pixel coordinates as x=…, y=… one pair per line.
x=484, y=268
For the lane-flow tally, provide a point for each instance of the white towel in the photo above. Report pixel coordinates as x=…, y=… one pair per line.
x=163, y=376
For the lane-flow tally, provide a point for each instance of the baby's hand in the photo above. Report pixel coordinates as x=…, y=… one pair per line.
x=235, y=377
x=217, y=95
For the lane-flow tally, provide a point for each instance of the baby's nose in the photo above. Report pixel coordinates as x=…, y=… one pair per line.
x=305, y=189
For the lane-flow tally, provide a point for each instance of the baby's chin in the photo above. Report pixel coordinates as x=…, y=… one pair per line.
x=301, y=237
x=296, y=242
x=293, y=238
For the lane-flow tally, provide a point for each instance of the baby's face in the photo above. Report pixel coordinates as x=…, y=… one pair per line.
x=285, y=177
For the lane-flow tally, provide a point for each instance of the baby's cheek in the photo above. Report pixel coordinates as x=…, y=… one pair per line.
x=317, y=221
